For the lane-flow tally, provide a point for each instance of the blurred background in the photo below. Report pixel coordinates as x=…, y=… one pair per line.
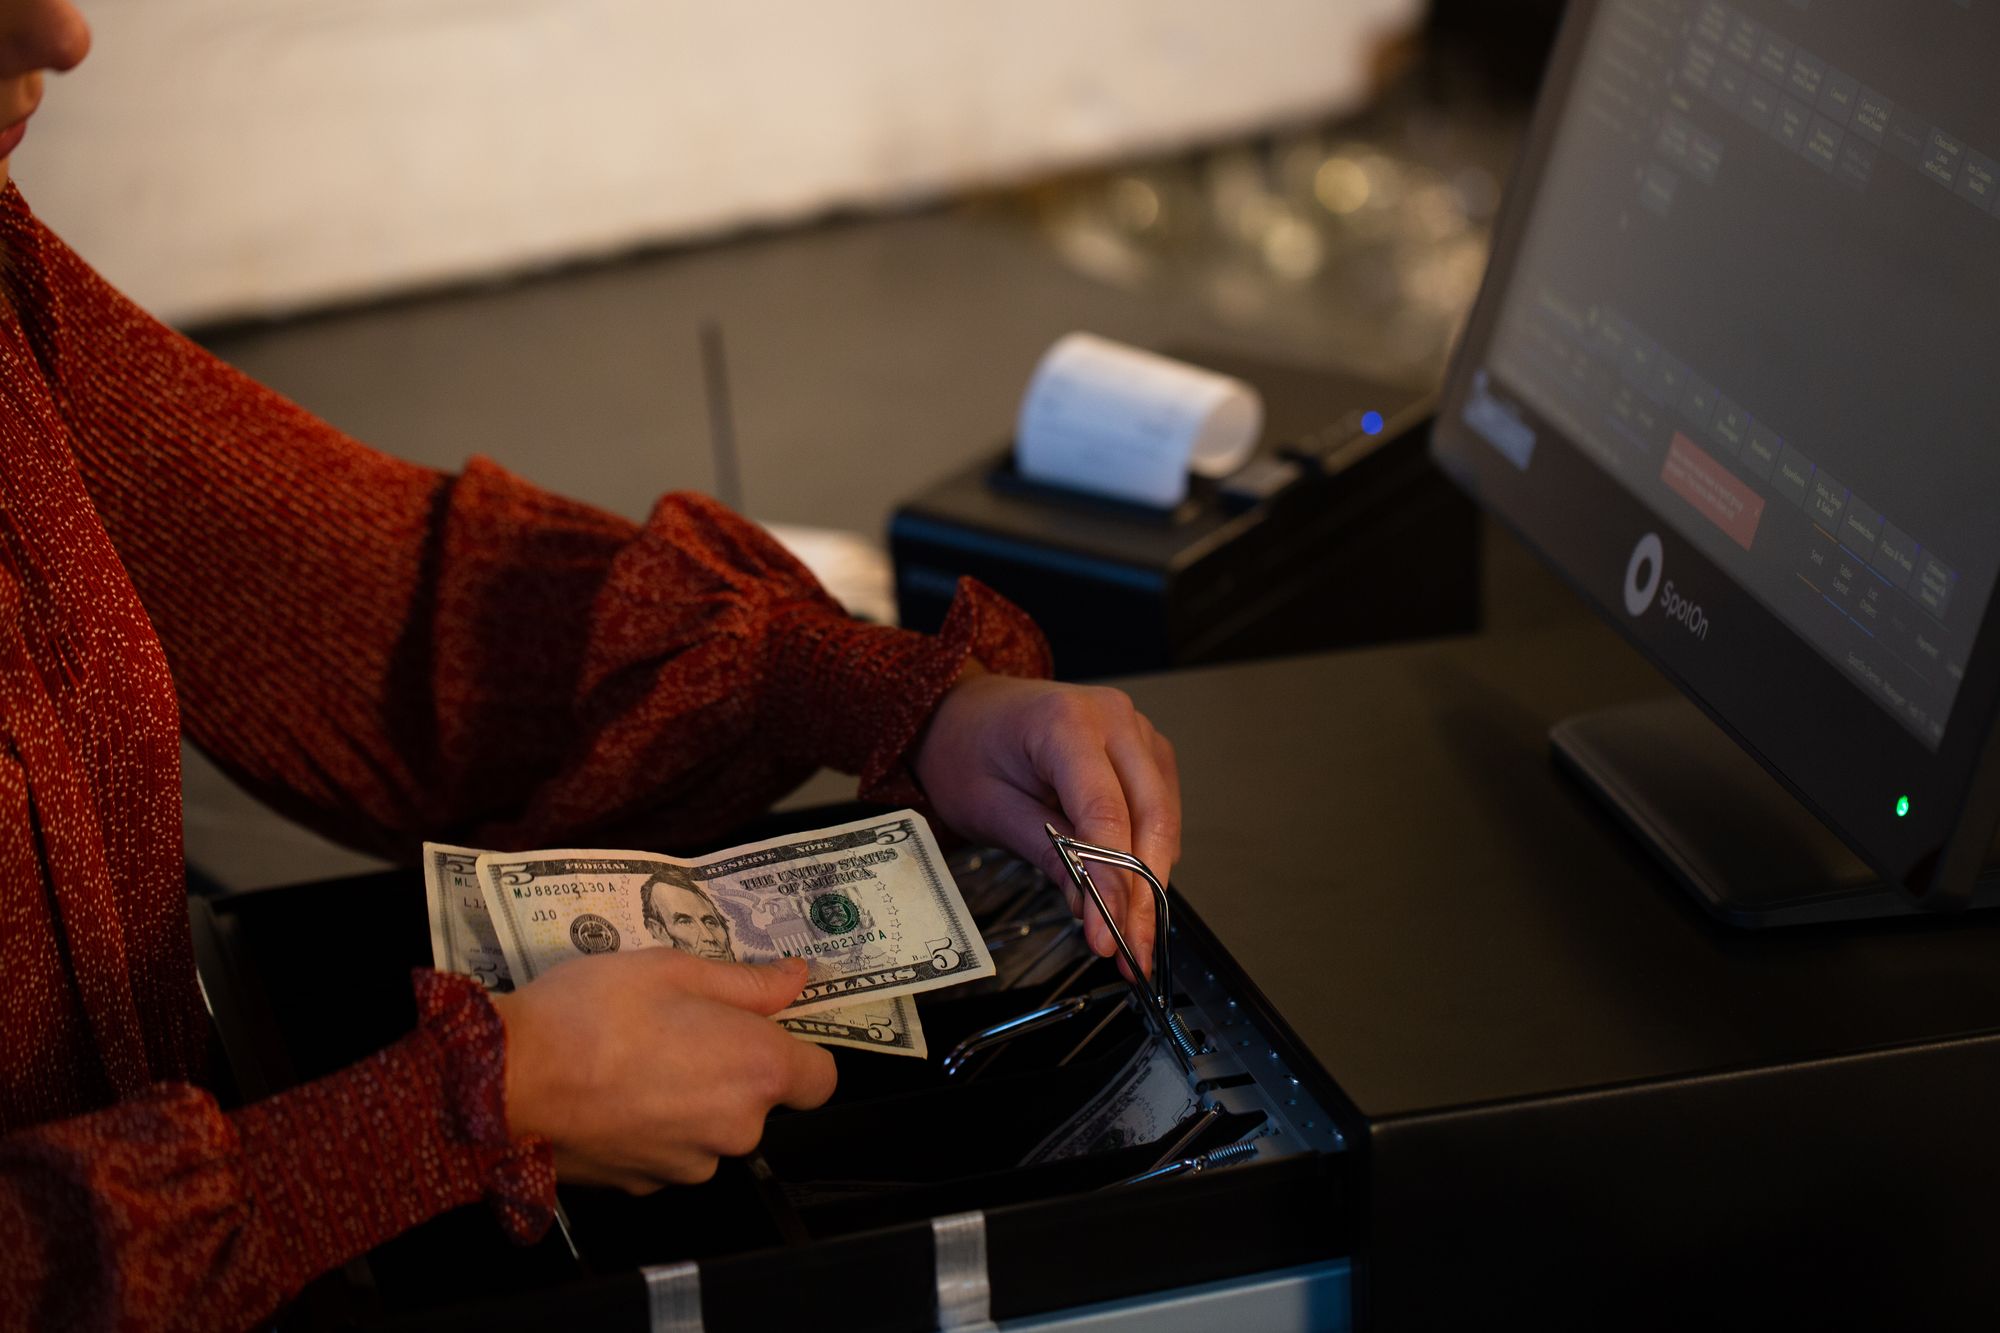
x=497, y=227
x=223, y=158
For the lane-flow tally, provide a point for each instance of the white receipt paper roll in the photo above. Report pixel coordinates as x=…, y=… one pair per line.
x=1117, y=421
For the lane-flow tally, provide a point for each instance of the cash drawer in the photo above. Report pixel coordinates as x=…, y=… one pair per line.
x=834, y=1223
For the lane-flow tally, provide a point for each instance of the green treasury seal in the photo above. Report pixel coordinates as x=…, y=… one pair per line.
x=591, y=933
x=835, y=913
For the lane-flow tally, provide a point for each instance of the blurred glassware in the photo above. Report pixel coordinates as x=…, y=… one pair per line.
x=1360, y=243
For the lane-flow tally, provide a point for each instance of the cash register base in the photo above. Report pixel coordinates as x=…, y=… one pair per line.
x=834, y=1223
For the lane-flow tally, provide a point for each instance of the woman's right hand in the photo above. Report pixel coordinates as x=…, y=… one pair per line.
x=643, y=1068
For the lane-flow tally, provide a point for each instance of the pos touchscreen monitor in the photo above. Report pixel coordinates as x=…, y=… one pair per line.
x=1735, y=373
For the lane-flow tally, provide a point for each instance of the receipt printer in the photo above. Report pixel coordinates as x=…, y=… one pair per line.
x=1336, y=532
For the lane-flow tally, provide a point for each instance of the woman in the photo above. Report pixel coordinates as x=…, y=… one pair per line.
x=388, y=653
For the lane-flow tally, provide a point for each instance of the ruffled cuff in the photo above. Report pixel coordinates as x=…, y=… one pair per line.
x=519, y=1174
x=980, y=625
x=853, y=697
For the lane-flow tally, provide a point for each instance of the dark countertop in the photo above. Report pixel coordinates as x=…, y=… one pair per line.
x=1380, y=840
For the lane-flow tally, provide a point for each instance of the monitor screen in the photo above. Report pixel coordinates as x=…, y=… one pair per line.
x=1741, y=331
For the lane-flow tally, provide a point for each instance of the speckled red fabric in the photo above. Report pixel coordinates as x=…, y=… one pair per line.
x=386, y=653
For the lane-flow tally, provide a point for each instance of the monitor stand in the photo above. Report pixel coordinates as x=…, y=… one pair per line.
x=1751, y=854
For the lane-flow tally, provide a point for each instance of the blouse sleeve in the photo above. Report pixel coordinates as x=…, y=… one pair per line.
x=386, y=653
x=161, y=1212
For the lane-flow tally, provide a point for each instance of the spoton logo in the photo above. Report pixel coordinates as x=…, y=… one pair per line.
x=1677, y=607
x=1643, y=584
x=1642, y=574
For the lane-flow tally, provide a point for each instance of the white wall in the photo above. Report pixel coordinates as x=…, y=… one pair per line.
x=216, y=157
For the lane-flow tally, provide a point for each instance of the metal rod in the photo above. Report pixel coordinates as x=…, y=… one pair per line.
x=721, y=419
x=1019, y=903
x=1062, y=937
x=1022, y=1024
x=1208, y=1161
x=1061, y=988
x=1001, y=937
x=1197, y=1124
x=1109, y=1018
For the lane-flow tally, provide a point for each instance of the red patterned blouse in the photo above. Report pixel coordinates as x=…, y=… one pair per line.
x=385, y=653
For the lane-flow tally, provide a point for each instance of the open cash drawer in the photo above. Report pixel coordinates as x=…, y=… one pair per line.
x=834, y=1223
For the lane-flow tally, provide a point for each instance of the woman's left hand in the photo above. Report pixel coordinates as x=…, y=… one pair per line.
x=1004, y=756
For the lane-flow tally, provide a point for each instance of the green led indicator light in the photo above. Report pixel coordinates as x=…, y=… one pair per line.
x=1902, y=806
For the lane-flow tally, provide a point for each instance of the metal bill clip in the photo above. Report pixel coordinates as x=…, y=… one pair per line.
x=1021, y=1025
x=1155, y=998
x=1208, y=1161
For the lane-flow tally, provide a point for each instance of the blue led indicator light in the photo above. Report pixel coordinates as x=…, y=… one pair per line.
x=1371, y=422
